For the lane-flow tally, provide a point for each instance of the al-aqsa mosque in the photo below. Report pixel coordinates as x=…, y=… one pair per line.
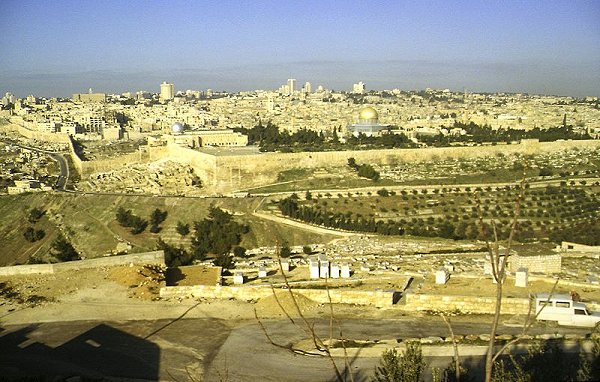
x=368, y=123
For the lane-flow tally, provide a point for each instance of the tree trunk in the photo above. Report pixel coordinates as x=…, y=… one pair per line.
x=490, y=352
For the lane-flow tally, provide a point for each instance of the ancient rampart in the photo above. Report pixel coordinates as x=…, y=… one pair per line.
x=156, y=257
x=17, y=127
x=227, y=173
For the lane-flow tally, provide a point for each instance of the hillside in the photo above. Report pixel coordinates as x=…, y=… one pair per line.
x=89, y=222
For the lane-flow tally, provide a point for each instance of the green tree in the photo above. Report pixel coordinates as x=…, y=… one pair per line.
x=138, y=225
x=239, y=251
x=546, y=171
x=307, y=250
x=63, y=250
x=35, y=214
x=405, y=367
x=33, y=235
x=157, y=217
x=224, y=260
x=285, y=250
x=182, y=228
x=124, y=217
x=216, y=234
x=174, y=256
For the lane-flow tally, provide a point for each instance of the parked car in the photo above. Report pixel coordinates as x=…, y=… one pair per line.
x=562, y=309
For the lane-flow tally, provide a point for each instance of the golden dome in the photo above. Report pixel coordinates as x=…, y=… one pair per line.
x=368, y=113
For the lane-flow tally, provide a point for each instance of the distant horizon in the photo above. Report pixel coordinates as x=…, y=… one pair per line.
x=233, y=80
x=59, y=48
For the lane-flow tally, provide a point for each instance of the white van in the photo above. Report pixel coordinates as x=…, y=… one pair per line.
x=562, y=309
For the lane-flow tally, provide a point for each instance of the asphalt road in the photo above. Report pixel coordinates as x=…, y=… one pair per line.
x=205, y=348
x=63, y=177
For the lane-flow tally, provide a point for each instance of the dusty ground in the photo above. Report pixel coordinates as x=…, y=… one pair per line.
x=130, y=293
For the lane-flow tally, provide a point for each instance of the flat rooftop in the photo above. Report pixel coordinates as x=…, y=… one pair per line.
x=230, y=151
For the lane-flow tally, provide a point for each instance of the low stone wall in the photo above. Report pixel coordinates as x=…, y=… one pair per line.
x=465, y=304
x=248, y=293
x=26, y=269
x=567, y=246
x=156, y=257
x=540, y=263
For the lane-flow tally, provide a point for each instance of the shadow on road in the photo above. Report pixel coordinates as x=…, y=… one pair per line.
x=100, y=352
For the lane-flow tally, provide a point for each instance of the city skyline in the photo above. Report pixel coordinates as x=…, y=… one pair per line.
x=67, y=47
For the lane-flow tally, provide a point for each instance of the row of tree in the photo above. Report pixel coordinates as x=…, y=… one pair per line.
x=290, y=207
x=127, y=218
x=485, y=133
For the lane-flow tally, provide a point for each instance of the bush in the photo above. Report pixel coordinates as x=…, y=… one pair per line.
x=182, y=229
x=62, y=250
x=33, y=235
x=405, y=367
x=35, y=214
x=239, y=251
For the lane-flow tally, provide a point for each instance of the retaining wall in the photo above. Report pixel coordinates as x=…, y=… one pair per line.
x=465, y=304
x=156, y=257
x=248, y=293
x=539, y=263
x=27, y=269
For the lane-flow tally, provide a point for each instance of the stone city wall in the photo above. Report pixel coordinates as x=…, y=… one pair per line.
x=464, y=304
x=248, y=293
x=104, y=165
x=156, y=257
x=17, y=126
x=539, y=264
x=204, y=165
x=232, y=172
x=235, y=172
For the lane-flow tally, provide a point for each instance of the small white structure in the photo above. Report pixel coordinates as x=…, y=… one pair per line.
x=345, y=271
x=449, y=267
x=238, y=278
x=487, y=268
x=262, y=272
x=285, y=265
x=324, y=269
x=441, y=276
x=521, y=278
x=335, y=271
x=313, y=265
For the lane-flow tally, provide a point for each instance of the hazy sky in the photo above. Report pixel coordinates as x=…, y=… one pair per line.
x=55, y=48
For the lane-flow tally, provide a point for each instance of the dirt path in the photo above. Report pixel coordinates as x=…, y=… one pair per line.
x=300, y=225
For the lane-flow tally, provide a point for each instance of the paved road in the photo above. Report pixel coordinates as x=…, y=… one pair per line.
x=63, y=178
x=248, y=355
x=164, y=349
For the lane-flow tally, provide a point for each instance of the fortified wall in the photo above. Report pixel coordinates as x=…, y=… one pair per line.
x=227, y=173
x=232, y=172
x=16, y=126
